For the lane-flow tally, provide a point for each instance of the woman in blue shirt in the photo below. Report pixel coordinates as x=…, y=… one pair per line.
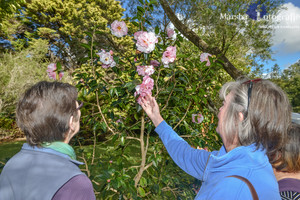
x=253, y=123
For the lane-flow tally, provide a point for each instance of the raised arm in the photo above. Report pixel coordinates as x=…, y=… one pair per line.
x=192, y=161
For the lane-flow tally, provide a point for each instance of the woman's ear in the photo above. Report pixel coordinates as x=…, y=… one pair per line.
x=241, y=116
x=70, y=131
x=71, y=123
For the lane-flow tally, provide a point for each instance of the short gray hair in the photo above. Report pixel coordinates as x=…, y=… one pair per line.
x=267, y=119
x=44, y=111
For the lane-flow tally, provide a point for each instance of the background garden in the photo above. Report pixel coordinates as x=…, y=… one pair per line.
x=180, y=51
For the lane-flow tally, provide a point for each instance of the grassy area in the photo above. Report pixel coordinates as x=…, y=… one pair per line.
x=8, y=149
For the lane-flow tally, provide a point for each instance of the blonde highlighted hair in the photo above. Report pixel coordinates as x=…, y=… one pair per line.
x=265, y=121
x=289, y=155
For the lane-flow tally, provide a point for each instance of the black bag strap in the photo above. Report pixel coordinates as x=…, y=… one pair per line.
x=252, y=190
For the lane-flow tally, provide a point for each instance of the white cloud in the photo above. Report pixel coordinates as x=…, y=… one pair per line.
x=287, y=32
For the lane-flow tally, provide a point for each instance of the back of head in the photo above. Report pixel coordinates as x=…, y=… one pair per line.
x=289, y=155
x=266, y=115
x=44, y=111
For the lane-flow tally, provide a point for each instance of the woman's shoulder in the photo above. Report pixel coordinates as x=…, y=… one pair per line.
x=233, y=188
x=289, y=184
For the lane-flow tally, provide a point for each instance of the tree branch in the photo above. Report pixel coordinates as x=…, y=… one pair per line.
x=201, y=44
x=187, y=110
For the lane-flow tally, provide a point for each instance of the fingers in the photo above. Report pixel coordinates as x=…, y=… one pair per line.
x=150, y=99
x=145, y=103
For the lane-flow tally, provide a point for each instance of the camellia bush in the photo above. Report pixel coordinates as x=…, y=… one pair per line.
x=112, y=84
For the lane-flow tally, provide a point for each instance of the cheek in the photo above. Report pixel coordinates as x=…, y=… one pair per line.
x=220, y=113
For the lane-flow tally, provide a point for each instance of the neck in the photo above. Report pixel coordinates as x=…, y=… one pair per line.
x=282, y=175
x=230, y=147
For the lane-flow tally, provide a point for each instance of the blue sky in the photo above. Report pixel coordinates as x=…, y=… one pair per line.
x=287, y=40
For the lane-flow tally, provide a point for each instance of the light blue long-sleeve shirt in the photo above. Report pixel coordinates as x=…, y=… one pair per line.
x=212, y=168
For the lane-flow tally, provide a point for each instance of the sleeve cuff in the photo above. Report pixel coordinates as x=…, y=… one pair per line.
x=161, y=126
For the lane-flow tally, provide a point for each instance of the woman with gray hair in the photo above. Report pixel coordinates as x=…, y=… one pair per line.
x=253, y=124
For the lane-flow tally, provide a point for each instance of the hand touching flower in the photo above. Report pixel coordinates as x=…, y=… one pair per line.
x=151, y=108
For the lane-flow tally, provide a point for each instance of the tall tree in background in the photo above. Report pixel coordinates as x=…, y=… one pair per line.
x=65, y=23
x=289, y=81
x=9, y=7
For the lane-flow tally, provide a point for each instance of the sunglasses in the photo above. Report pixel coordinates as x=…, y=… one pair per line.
x=250, y=82
x=80, y=103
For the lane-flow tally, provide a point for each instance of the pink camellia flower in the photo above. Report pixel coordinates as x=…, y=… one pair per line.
x=146, y=42
x=148, y=82
x=119, y=29
x=137, y=34
x=169, y=56
x=60, y=75
x=145, y=70
x=204, y=57
x=113, y=63
x=137, y=90
x=52, y=73
x=105, y=66
x=106, y=59
x=199, y=116
x=145, y=88
x=108, y=180
x=154, y=63
x=170, y=32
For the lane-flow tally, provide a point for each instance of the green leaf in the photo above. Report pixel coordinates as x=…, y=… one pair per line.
x=141, y=191
x=146, y=56
x=180, y=38
x=141, y=1
x=58, y=67
x=147, y=21
x=153, y=2
x=167, y=78
x=182, y=56
x=135, y=23
x=154, y=163
x=139, y=15
x=103, y=126
x=156, y=30
x=111, y=92
x=143, y=182
x=85, y=46
x=89, y=34
x=100, y=32
x=139, y=8
x=122, y=141
x=116, y=59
